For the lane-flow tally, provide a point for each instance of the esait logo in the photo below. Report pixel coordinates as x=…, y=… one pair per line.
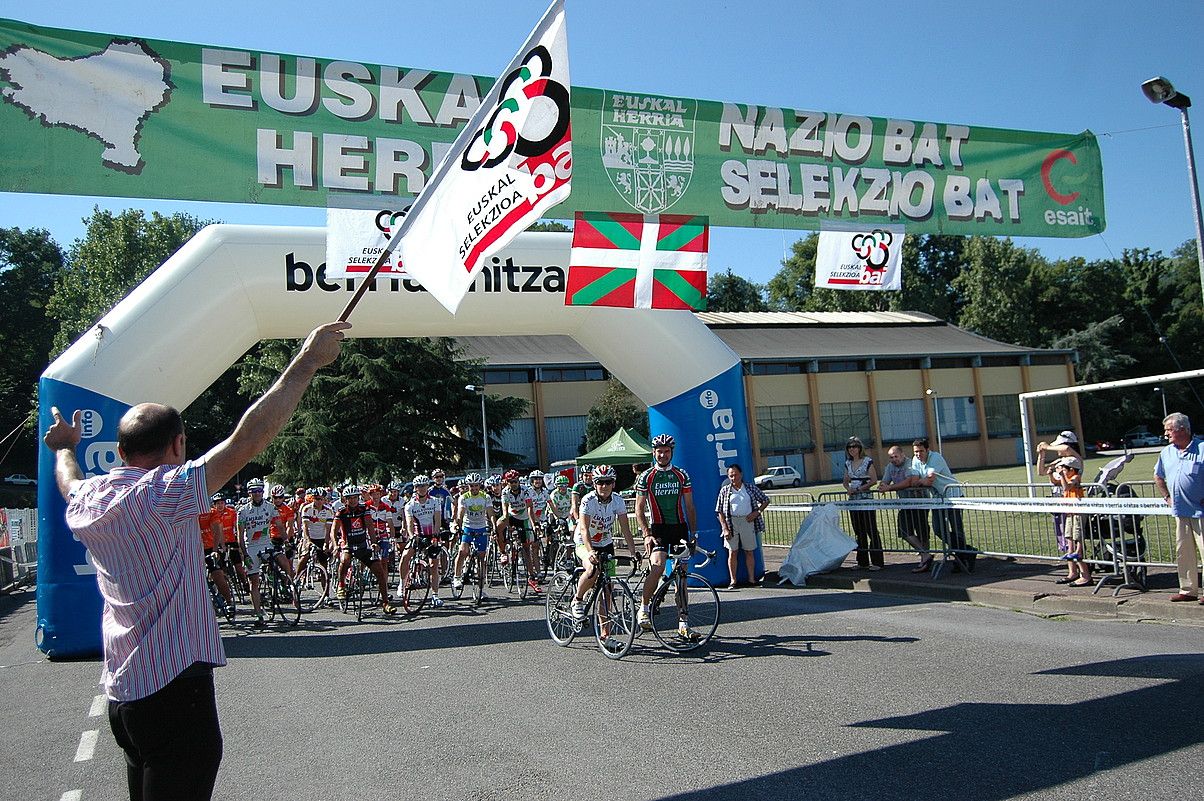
x=1082, y=215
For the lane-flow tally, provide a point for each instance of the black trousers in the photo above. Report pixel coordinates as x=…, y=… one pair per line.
x=869, y=540
x=171, y=739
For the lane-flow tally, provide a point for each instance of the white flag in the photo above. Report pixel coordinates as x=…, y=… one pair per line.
x=511, y=164
x=870, y=258
x=355, y=238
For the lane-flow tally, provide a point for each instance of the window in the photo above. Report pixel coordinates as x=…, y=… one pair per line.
x=1000, y=361
x=843, y=420
x=1047, y=359
x=842, y=367
x=784, y=428
x=897, y=364
x=1003, y=415
x=775, y=368
x=958, y=418
x=565, y=436
x=502, y=376
x=901, y=421
x=519, y=439
x=553, y=374
x=1051, y=414
x=946, y=362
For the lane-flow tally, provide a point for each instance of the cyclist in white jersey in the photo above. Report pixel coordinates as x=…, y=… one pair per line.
x=539, y=492
x=516, y=517
x=472, y=521
x=424, y=521
x=255, y=519
x=597, y=514
x=316, y=518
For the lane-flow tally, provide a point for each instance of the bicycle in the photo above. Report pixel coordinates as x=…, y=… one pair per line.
x=692, y=595
x=221, y=607
x=417, y=588
x=313, y=584
x=277, y=593
x=614, y=622
x=474, y=578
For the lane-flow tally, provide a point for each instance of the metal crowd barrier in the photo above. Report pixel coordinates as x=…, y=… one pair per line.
x=18, y=548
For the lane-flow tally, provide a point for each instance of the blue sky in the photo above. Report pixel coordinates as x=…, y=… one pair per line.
x=1024, y=65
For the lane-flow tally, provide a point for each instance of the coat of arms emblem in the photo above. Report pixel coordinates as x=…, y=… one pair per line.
x=648, y=148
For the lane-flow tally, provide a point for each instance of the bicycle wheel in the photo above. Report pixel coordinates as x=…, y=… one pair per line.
x=458, y=592
x=701, y=612
x=614, y=618
x=417, y=589
x=493, y=569
x=288, y=599
x=361, y=595
x=478, y=578
x=315, y=589
x=348, y=589
x=510, y=571
x=558, y=611
x=267, y=607
x=523, y=580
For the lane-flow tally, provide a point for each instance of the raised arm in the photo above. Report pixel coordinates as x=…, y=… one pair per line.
x=267, y=416
x=63, y=438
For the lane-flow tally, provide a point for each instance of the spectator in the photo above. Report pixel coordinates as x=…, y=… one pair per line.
x=1065, y=444
x=860, y=476
x=900, y=477
x=947, y=523
x=740, y=508
x=1067, y=473
x=138, y=522
x=1179, y=476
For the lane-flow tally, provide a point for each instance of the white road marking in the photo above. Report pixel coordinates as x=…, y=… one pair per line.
x=99, y=704
x=87, y=745
x=72, y=795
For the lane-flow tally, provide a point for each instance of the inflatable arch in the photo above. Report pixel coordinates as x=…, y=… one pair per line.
x=232, y=286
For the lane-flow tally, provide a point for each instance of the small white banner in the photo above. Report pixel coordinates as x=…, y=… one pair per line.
x=870, y=258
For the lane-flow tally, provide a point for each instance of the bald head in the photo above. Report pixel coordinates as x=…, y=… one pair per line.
x=147, y=430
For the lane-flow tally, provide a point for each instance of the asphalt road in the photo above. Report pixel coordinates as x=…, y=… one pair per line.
x=805, y=694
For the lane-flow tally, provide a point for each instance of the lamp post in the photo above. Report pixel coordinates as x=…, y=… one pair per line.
x=1160, y=90
x=936, y=412
x=1162, y=393
x=484, y=425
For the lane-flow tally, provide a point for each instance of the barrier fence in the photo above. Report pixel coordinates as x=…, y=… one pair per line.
x=18, y=548
x=1127, y=528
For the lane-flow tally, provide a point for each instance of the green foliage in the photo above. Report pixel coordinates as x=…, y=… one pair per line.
x=615, y=408
x=997, y=287
x=116, y=253
x=555, y=226
x=728, y=292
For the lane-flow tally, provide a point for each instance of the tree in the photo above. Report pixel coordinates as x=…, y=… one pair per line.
x=930, y=263
x=385, y=408
x=615, y=408
x=728, y=292
x=998, y=285
x=790, y=289
x=117, y=252
x=30, y=263
x=555, y=226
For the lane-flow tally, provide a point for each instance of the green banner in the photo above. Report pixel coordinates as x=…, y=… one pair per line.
x=97, y=114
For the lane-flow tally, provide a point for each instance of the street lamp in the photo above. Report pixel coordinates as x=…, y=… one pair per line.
x=484, y=425
x=936, y=411
x=1160, y=90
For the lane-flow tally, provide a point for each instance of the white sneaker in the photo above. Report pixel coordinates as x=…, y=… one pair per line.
x=686, y=633
x=643, y=619
x=457, y=583
x=578, y=610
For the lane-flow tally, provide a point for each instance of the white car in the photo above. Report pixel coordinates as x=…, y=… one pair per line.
x=19, y=478
x=781, y=476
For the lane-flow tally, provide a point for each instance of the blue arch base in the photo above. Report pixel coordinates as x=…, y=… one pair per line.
x=69, y=602
x=710, y=424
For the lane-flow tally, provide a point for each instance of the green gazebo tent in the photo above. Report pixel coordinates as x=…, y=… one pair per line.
x=625, y=447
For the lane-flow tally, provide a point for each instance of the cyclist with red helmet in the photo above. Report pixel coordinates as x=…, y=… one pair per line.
x=516, y=514
x=663, y=495
x=424, y=521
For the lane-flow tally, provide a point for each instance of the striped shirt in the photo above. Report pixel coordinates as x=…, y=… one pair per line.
x=139, y=527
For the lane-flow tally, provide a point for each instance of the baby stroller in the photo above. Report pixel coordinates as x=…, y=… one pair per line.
x=1117, y=540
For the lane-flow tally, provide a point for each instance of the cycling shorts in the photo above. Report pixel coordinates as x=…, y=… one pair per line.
x=667, y=535
x=317, y=549
x=214, y=560
x=255, y=549
x=386, y=547
x=477, y=537
x=360, y=549
x=521, y=527
x=583, y=555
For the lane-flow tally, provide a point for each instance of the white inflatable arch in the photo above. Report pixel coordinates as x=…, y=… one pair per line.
x=232, y=286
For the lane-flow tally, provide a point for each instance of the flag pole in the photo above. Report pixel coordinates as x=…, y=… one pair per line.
x=368, y=279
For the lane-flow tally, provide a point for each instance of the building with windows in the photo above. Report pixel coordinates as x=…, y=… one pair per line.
x=812, y=380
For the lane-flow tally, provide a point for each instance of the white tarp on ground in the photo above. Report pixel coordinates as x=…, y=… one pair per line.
x=819, y=546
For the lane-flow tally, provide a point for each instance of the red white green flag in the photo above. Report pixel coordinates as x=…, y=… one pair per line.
x=638, y=261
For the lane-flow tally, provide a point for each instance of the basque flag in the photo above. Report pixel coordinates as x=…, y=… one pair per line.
x=638, y=261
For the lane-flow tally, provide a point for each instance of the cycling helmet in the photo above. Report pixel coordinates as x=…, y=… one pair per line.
x=584, y=468
x=422, y=481
x=350, y=490
x=438, y=473
x=473, y=478
x=373, y=488
x=278, y=491
x=562, y=481
x=395, y=485
x=664, y=441
x=217, y=496
x=511, y=475
x=492, y=481
x=604, y=472
x=534, y=474
x=321, y=492
x=255, y=485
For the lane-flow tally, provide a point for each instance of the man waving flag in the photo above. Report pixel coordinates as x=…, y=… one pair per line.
x=510, y=164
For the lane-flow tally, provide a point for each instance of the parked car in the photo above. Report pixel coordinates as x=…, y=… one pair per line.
x=19, y=478
x=1146, y=441
x=781, y=476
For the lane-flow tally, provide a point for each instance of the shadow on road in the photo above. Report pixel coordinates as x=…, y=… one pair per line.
x=994, y=751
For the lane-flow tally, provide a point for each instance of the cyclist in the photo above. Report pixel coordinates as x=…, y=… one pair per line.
x=424, y=521
x=352, y=525
x=442, y=493
x=664, y=491
x=539, y=492
x=255, y=519
x=581, y=488
x=472, y=520
x=557, y=512
x=390, y=517
x=316, y=520
x=599, y=511
x=493, y=488
x=227, y=517
x=283, y=528
x=516, y=514
x=213, y=541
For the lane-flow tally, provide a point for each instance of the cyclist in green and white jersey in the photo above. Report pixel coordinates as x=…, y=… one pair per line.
x=472, y=521
x=581, y=488
x=516, y=514
x=664, y=495
x=556, y=516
